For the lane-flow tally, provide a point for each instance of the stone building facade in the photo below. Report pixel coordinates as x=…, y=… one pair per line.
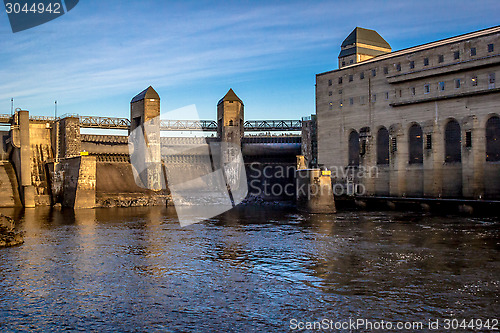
x=419, y=122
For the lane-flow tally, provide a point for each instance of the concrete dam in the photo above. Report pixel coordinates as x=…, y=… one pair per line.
x=48, y=161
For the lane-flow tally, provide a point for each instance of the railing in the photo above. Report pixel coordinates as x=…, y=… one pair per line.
x=169, y=125
x=188, y=125
x=104, y=122
x=273, y=125
x=42, y=118
x=5, y=118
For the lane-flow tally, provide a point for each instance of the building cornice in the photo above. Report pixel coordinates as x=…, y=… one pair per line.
x=422, y=47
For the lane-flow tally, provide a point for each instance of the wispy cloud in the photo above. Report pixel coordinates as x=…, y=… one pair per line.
x=111, y=48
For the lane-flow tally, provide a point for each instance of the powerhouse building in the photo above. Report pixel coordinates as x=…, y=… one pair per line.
x=419, y=122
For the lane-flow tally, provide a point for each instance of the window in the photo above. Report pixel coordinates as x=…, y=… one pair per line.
x=472, y=51
x=415, y=143
x=330, y=93
x=426, y=61
x=474, y=81
x=440, y=58
x=400, y=93
x=374, y=98
x=412, y=64
x=343, y=63
x=383, y=146
x=386, y=70
x=350, y=78
x=329, y=82
x=362, y=100
x=362, y=75
x=340, y=80
x=386, y=95
x=441, y=86
x=456, y=55
x=468, y=139
x=351, y=101
x=398, y=67
x=394, y=145
x=491, y=80
x=413, y=91
x=374, y=72
x=340, y=91
x=493, y=140
x=362, y=148
x=452, y=142
x=490, y=48
x=427, y=88
x=457, y=83
x=351, y=61
x=428, y=141
x=353, y=149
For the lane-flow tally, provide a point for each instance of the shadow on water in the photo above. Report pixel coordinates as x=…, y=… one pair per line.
x=251, y=268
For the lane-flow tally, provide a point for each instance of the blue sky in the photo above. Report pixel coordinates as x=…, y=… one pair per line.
x=95, y=58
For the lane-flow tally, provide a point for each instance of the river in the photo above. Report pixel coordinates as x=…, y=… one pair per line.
x=252, y=269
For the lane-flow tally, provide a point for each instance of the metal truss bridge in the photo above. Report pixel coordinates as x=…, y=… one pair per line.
x=170, y=125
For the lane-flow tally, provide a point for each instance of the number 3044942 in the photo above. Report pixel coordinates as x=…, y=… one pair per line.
x=35, y=8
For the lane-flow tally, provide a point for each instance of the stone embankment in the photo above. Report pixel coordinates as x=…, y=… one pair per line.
x=255, y=200
x=8, y=237
x=133, y=200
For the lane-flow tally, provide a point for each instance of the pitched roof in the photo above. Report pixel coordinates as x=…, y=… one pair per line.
x=230, y=96
x=366, y=36
x=149, y=92
x=363, y=36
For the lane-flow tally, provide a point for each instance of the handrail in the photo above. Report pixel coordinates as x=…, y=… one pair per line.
x=168, y=125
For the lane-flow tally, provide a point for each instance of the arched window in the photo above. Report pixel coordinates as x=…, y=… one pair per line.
x=231, y=122
x=383, y=146
x=415, y=141
x=493, y=139
x=452, y=142
x=354, y=148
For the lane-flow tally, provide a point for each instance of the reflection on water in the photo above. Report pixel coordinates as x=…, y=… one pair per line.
x=250, y=269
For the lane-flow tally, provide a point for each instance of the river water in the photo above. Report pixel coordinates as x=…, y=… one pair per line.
x=249, y=270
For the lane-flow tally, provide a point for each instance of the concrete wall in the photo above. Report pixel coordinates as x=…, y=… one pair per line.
x=79, y=181
x=116, y=186
x=41, y=152
x=9, y=193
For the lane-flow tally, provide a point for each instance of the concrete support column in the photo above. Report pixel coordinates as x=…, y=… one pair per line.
x=145, y=136
x=433, y=159
x=437, y=152
x=368, y=162
x=70, y=143
x=398, y=146
x=473, y=158
x=314, y=191
x=27, y=189
x=79, y=184
x=153, y=155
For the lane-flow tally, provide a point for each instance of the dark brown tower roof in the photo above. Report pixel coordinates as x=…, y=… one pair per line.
x=149, y=92
x=363, y=36
x=230, y=96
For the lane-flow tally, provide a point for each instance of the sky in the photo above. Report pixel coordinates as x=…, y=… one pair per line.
x=94, y=59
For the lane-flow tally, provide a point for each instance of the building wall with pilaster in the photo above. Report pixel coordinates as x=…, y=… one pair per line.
x=386, y=92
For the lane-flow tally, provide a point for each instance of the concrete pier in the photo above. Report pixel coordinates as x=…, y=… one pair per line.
x=314, y=191
x=26, y=188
